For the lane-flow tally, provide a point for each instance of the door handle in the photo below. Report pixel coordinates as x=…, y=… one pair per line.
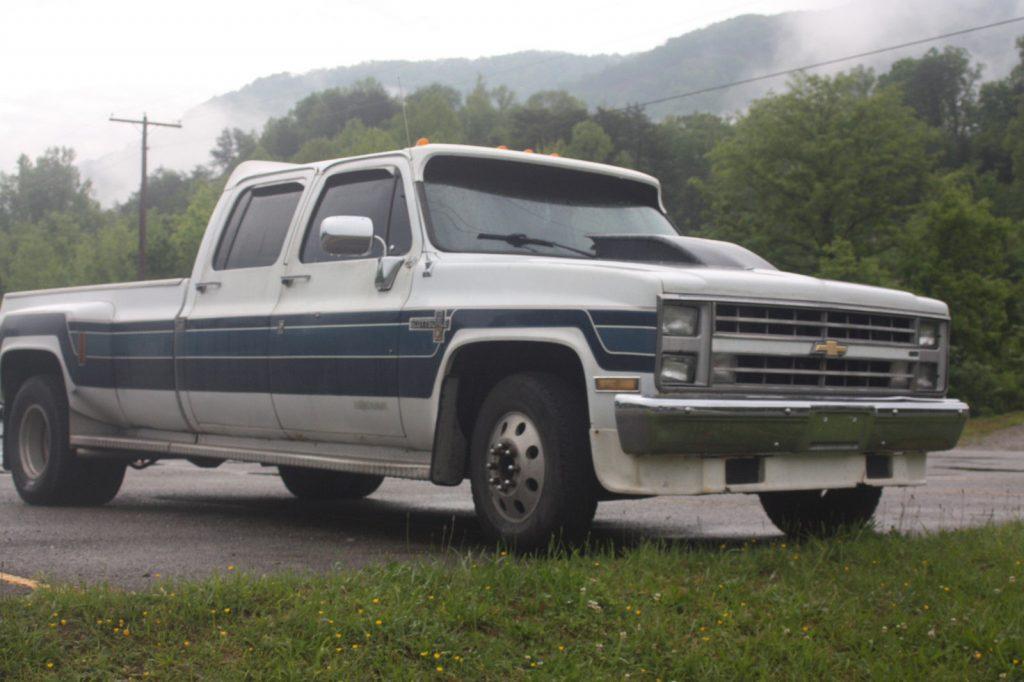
x=288, y=280
x=201, y=287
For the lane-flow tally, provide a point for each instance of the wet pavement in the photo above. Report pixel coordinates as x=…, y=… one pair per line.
x=175, y=520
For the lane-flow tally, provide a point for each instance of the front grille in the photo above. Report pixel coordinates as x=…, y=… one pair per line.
x=780, y=370
x=813, y=324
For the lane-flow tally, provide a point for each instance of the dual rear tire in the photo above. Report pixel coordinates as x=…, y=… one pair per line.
x=317, y=484
x=37, y=449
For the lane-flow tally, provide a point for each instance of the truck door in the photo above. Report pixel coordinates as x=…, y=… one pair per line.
x=334, y=343
x=222, y=364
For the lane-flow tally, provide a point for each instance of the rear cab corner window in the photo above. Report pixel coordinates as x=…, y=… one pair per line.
x=378, y=194
x=257, y=226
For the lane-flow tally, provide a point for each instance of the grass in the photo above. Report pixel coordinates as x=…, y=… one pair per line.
x=979, y=427
x=941, y=606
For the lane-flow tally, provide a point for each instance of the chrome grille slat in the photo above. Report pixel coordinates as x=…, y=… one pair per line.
x=776, y=370
x=806, y=323
x=760, y=321
x=811, y=372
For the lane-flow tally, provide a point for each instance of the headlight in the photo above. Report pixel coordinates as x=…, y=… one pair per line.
x=680, y=320
x=927, y=376
x=678, y=369
x=928, y=334
x=902, y=375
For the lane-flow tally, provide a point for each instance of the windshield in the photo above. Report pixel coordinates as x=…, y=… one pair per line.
x=513, y=207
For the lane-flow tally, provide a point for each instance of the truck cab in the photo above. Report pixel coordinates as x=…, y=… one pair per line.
x=532, y=323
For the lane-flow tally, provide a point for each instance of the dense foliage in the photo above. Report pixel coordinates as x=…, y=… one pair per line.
x=910, y=179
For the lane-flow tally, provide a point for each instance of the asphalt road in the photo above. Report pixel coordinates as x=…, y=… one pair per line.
x=174, y=520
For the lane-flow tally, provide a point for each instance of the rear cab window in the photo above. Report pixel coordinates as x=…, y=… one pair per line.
x=257, y=227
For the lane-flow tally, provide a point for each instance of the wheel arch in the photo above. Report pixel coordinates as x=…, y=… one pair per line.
x=17, y=366
x=471, y=371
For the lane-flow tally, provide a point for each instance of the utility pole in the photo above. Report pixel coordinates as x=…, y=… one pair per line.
x=142, y=187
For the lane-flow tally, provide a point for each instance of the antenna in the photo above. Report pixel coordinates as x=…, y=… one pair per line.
x=405, y=117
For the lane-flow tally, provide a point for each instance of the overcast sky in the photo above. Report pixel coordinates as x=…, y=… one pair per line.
x=66, y=65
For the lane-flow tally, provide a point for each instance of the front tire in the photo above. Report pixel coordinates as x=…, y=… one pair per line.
x=821, y=513
x=44, y=469
x=318, y=484
x=530, y=466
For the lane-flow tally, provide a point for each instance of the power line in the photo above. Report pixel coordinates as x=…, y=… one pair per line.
x=142, y=186
x=828, y=62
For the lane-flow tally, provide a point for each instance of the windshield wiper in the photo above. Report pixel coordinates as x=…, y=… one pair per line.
x=518, y=239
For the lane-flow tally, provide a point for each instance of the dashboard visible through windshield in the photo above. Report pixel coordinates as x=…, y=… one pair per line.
x=497, y=206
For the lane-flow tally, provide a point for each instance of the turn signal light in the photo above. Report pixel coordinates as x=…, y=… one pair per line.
x=502, y=146
x=528, y=150
x=620, y=384
x=422, y=141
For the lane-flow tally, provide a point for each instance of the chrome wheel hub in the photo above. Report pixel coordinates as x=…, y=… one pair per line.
x=515, y=466
x=34, y=441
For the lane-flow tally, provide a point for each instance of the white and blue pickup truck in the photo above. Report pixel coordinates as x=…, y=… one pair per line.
x=534, y=324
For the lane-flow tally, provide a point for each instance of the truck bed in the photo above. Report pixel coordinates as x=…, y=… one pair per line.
x=150, y=300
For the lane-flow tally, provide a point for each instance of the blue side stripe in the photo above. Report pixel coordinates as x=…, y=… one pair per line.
x=374, y=353
x=623, y=340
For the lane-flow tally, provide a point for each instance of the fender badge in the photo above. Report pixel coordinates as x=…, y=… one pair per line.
x=440, y=323
x=830, y=348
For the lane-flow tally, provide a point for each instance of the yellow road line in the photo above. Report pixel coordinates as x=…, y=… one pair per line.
x=20, y=582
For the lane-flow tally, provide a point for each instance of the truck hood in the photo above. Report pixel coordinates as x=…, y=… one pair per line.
x=769, y=285
x=579, y=281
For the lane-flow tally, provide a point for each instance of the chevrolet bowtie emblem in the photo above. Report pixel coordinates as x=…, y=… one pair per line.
x=439, y=324
x=830, y=348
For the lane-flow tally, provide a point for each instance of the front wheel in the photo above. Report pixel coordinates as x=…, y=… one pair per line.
x=821, y=513
x=44, y=469
x=318, y=484
x=530, y=467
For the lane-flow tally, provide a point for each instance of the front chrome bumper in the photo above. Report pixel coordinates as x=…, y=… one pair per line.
x=710, y=426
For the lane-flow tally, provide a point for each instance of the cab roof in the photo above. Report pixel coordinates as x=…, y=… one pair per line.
x=420, y=154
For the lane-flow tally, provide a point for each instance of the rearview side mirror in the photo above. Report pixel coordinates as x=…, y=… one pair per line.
x=347, y=235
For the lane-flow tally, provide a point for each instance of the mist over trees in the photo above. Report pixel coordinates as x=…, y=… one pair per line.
x=913, y=178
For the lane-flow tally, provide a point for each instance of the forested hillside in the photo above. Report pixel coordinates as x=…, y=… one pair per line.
x=911, y=178
x=725, y=51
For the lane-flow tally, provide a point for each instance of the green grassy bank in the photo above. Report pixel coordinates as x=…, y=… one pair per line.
x=941, y=606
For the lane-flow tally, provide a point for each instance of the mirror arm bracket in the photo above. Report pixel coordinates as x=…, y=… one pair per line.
x=388, y=267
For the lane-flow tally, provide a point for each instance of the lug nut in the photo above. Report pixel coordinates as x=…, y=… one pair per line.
x=493, y=480
x=492, y=465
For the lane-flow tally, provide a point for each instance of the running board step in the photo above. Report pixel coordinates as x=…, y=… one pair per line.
x=273, y=457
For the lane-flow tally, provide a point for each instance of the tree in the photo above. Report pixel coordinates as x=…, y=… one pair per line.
x=50, y=184
x=325, y=114
x=233, y=146
x=480, y=118
x=954, y=249
x=941, y=87
x=683, y=163
x=589, y=142
x=832, y=158
x=167, y=191
x=431, y=113
x=546, y=118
